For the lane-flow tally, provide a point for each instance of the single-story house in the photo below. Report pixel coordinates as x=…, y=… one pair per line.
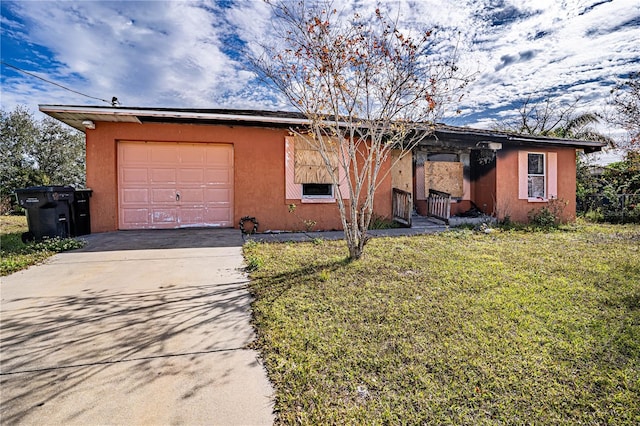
x=153, y=168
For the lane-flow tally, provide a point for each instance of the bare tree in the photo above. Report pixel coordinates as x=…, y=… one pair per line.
x=626, y=101
x=549, y=118
x=366, y=87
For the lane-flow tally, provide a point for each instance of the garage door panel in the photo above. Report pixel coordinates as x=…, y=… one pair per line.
x=164, y=215
x=163, y=195
x=135, y=154
x=152, y=174
x=194, y=155
x=190, y=176
x=192, y=216
x=218, y=215
x=217, y=196
x=134, y=217
x=190, y=196
x=135, y=196
x=218, y=176
x=132, y=175
x=163, y=175
x=162, y=153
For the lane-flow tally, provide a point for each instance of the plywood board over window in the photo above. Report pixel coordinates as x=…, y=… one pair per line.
x=309, y=164
x=444, y=176
x=401, y=171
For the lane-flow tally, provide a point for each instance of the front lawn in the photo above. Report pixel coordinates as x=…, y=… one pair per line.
x=457, y=328
x=15, y=255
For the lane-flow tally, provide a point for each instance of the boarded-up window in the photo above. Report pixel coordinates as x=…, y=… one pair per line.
x=401, y=170
x=443, y=176
x=309, y=164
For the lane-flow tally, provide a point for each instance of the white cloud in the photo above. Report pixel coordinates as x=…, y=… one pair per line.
x=144, y=53
x=565, y=50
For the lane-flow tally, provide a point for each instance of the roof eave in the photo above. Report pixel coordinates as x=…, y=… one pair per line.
x=76, y=115
x=85, y=113
x=470, y=135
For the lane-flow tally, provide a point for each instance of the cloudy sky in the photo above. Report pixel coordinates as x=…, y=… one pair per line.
x=186, y=54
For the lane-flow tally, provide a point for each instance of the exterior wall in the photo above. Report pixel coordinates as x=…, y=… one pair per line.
x=259, y=174
x=507, y=184
x=483, y=180
x=484, y=192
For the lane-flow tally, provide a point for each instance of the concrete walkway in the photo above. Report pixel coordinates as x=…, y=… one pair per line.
x=420, y=226
x=139, y=327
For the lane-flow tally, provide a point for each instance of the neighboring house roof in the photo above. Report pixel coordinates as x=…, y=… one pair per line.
x=75, y=116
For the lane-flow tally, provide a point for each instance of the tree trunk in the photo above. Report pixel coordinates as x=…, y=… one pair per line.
x=355, y=251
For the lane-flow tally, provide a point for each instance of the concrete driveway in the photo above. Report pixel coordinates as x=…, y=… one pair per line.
x=139, y=327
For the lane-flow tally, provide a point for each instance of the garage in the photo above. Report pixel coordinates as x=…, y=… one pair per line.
x=164, y=185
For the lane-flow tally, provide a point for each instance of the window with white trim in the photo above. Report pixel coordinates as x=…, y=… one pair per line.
x=306, y=178
x=536, y=176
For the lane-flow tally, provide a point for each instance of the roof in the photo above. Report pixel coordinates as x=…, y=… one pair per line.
x=74, y=116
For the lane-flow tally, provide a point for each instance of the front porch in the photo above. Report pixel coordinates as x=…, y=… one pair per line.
x=438, y=212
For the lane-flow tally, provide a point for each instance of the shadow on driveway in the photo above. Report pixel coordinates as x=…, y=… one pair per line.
x=162, y=239
x=137, y=328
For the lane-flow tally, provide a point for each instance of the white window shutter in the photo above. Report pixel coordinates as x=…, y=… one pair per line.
x=293, y=191
x=552, y=173
x=523, y=169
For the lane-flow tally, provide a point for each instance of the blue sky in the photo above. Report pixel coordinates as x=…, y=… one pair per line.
x=185, y=54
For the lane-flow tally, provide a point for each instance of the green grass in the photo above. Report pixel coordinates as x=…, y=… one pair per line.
x=463, y=327
x=15, y=255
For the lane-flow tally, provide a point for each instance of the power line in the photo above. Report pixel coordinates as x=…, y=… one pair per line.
x=54, y=83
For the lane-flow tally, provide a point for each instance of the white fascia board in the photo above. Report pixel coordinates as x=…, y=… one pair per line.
x=170, y=114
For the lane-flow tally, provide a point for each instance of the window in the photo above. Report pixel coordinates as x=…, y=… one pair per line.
x=536, y=176
x=304, y=181
x=317, y=190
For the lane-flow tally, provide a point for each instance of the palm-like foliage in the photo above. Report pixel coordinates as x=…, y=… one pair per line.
x=548, y=118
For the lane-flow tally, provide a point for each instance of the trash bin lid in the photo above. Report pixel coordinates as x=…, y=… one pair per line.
x=50, y=188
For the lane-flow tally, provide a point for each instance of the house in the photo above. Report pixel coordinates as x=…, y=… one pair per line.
x=154, y=168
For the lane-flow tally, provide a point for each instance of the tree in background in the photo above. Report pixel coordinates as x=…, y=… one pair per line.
x=617, y=198
x=624, y=176
x=365, y=86
x=553, y=119
x=38, y=152
x=626, y=102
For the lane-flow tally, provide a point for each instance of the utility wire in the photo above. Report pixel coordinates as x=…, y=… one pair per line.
x=54, y=83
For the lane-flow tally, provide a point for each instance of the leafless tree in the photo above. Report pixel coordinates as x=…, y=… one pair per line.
x=366, y=87
x=553, y=119
x=626, y=102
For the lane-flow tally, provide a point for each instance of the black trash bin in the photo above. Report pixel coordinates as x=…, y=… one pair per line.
x=81, y=219
x=48, y=211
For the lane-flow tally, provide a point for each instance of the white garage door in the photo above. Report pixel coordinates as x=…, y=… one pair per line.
x=174, y=185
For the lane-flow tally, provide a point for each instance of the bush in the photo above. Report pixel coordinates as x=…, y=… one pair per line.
x=381, y=222
x=549, y=216
x=613, y=208
x=56, y=244
x=15, y=255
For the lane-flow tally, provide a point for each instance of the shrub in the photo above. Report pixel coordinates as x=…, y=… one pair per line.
x=15, y=255
x=56, y=244
x=381, y=222
x=549, y=216
x=308, y=223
